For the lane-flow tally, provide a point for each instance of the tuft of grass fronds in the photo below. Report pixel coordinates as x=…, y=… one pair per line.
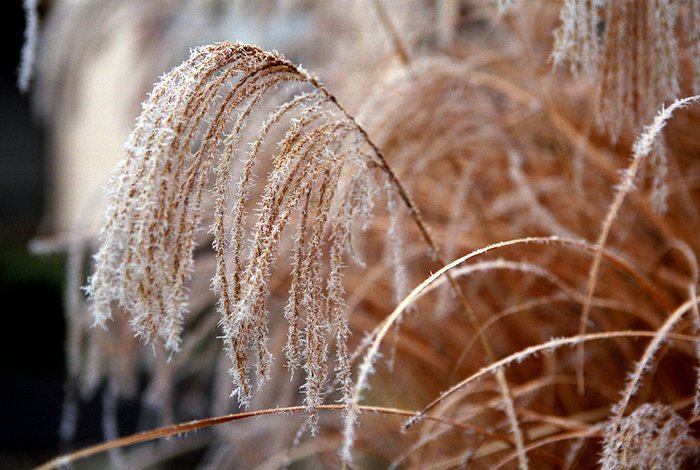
x=472, y=171
x=653, y=436
x=631, y=50
x=187, y=139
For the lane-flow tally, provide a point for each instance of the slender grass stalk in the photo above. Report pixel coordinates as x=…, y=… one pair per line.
x=643, y=146
x=199, y=424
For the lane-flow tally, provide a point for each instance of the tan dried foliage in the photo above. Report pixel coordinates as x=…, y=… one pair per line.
x=331, y=240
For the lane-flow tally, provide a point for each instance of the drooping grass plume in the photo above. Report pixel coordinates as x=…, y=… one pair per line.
x=189, y=137
x=184, y=139
x=632, y=50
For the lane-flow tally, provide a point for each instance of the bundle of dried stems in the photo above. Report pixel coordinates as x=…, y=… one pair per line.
x=449, y=140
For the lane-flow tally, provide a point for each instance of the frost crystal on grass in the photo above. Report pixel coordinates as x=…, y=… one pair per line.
x=186, y=146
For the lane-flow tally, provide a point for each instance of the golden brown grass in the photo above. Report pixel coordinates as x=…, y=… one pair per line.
x=550, y=236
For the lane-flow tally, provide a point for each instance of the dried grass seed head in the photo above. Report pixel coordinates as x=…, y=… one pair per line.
x=188, y=139
x=654, y=436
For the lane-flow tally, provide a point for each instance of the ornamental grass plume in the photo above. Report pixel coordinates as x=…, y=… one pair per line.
x=631, y=47
x=321, y=172
x=189, y=136
x=654, y=436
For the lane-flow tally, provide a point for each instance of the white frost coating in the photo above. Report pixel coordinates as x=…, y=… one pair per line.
x=654, y=436
x=617, y=423
x=366, y=368
x=640, y=150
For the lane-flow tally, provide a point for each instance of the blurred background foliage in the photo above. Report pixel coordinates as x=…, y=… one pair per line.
x=31, y=358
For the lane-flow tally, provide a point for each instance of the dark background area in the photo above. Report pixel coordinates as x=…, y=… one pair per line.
x=32, y=370
x=32, y=331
